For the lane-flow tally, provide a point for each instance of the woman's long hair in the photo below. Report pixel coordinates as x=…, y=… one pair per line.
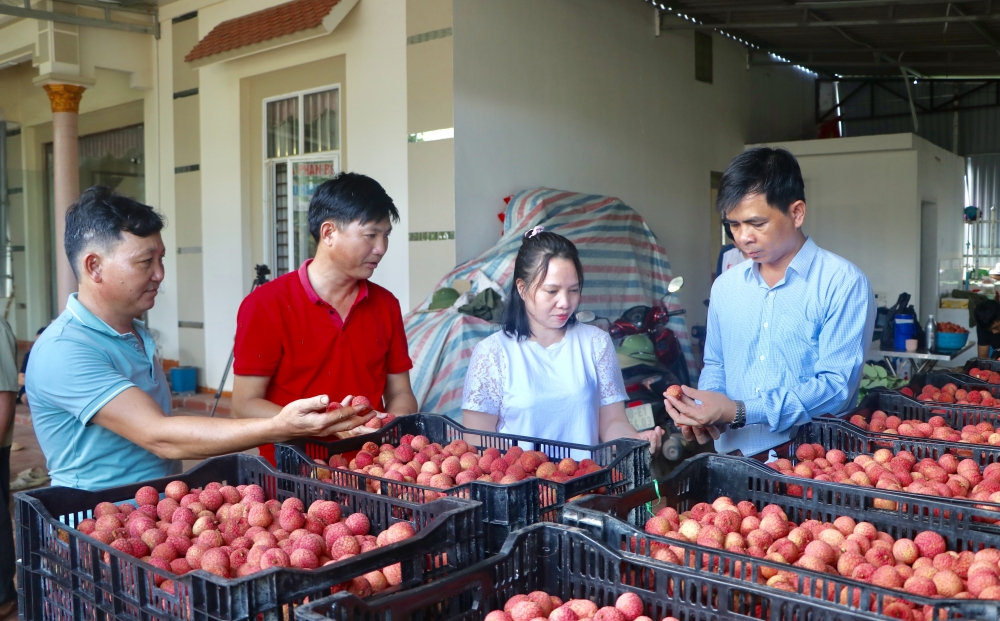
x=531, y=266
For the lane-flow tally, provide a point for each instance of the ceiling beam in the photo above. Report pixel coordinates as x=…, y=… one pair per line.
x=834, y=23
x=141, y=9
x=972, y=47
x=64, y=18
x=982, y=31
x=798, y=6
x=995, y=67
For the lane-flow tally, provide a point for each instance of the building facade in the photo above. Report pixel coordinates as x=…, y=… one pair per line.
x=223, y=115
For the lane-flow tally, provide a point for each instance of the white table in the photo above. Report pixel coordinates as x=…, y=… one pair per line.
x=923, y=359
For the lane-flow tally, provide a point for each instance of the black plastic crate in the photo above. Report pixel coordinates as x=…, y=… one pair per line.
x=832, y=433
x=570, y=564
x=506, y=507
x=618, y=522
x=894, y=403
x=961, y=380
x=838, y=433
x=62, y=575
x=983, y=364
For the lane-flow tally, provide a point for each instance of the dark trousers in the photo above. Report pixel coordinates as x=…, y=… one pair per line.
x=7, y=562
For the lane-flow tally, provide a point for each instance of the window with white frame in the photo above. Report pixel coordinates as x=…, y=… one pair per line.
x=302, y=150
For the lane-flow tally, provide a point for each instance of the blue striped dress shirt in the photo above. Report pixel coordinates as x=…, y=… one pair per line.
x=790, y=352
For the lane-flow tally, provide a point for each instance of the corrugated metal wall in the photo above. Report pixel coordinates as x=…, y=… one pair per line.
x=982, y=181
x=978, y=130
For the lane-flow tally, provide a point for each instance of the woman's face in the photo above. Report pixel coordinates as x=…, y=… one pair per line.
x=552, y=301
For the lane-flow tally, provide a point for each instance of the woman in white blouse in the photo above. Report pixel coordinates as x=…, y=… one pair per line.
x=544, y=374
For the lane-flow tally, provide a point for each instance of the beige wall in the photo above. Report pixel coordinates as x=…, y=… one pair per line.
x=583, y=96
x=187, y=198
x=430, y=101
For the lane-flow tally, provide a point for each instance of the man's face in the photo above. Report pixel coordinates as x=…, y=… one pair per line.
x=762, y=232
x=130, y=273
x=357, y=248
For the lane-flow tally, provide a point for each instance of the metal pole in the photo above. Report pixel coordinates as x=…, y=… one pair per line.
x=4, y=211
x=259, y=279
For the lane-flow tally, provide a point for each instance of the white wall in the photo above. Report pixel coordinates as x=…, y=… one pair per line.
x=429, y=83
x=580, y=95
x=373, y=37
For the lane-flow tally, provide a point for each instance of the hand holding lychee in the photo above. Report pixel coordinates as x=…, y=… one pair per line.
x=703, y=420
x=318, y=417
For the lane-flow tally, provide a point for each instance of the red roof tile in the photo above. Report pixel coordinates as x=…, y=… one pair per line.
x=278, y=21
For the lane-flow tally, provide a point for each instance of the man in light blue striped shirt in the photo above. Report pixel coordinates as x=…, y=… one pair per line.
x=787, y=330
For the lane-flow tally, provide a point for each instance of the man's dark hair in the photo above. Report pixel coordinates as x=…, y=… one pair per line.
x=349, y=197
x=100, y=216
x=987, y=313
x=531, y=266
x=762, y=170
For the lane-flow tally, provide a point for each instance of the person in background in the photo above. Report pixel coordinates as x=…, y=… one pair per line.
x=24, y=368
x=545, y=375
x=8, y=392
x=988, y=329
x=325, y=327
x=100, y=404
x=729, y=256
x=787, y=330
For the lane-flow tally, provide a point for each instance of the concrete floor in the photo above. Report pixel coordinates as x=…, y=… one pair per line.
x=31, y=455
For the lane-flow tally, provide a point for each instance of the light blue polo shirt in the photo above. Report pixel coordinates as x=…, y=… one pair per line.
x=76, y=367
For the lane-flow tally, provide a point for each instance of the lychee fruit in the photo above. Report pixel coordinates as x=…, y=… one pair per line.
x=905, y=551
x=948, y=583
x=930, y=544
x=526, y=610
x=608, y=613
x=274, y=557
x=630, y=605
x=176, y=490
x=147, y=495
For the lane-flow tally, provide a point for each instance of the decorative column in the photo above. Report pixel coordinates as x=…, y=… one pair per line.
x=65, y=100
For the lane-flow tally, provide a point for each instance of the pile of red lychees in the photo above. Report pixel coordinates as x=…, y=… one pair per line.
x=234, y=532
x=418, y=460
x=919, y=566
x=947, y=477
x=935, y=428
x=541, y=605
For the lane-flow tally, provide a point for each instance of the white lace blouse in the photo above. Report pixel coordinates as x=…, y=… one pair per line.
x=553, y=392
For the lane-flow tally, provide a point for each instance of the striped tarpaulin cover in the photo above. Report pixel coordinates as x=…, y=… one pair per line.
x=623, y=264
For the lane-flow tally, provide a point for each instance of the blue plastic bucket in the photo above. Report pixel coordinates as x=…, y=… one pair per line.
x=184, y=379
x=906, y=328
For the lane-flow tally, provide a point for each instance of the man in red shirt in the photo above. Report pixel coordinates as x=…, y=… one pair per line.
x=325, y=329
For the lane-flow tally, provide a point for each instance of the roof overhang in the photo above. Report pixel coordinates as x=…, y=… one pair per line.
x=258, y=32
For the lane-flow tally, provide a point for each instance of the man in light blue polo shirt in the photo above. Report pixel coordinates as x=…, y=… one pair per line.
x=100, y=403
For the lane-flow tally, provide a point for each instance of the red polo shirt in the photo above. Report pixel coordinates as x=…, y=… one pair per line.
x=286, y=332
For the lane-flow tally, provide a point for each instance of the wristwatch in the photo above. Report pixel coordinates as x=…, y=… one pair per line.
x=741, y=416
